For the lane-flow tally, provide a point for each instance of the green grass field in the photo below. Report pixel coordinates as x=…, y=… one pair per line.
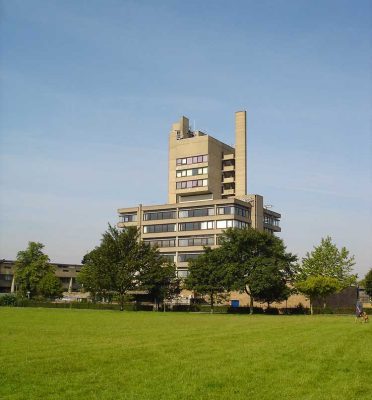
x=89, y=354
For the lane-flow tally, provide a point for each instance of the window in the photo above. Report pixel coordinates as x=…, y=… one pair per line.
x=192, y=184
x=231, y=223
x=192, y=160
x=195, y=226
x=6, y=277
x=156, y=215
x=128, y=217
x=234, y=210
x=169, y=256
x=196, y=241
x=159, y=228
x=191, y=172
x=195, y=212
x=171, y=242
x=182, y=273
x=185, y=257
x=271, y=220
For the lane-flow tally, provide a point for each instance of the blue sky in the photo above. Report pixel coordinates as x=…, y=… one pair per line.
x=90, y=90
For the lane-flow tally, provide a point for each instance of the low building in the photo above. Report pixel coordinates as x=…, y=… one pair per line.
x=66, y=273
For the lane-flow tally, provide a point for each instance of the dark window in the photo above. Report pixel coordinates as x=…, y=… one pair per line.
x=152, y=216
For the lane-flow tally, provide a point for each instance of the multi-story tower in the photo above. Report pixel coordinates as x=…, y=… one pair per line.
x=207, y=193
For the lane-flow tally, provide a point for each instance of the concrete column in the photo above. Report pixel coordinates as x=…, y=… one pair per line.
x=240, y=153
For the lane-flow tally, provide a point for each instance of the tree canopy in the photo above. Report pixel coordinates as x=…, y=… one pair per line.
x=207, y=275
x=324, y=271
x=368, y=282
x=249, y=255
x=123, y=263
x=34, y=275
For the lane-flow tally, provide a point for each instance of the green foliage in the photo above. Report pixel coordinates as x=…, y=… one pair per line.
x=159, y=278
x=248, y=253
x=34, y=275
x=327, y=260
x=123, y=263
x=324, y=271
x=8, y=300
x=318, y=286
x=268, y=284
x=368, y=282
x=207, y=275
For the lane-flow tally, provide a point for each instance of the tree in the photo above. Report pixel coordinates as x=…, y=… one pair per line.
x=324, y=271
x=159, y=279
x=246, y=252
x=268, y=284
x=368, y=282
x=117, y=265
x=318, y=287
x=34, y=275
x=207, y=275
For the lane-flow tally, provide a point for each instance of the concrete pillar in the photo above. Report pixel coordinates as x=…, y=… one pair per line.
x=240, y=153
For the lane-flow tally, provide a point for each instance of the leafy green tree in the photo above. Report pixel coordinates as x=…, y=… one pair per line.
x=159, y=279
x=207, y=275
x=318, y=287
x=368, y=282
x=34, y=275
x=245, y=253
x=268, y=284
x=116, y=266
x=324, y=271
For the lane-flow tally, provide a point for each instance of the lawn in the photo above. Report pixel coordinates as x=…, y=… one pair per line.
x=89, y=354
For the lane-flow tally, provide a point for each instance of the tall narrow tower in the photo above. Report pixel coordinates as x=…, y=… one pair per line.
x=240, y=153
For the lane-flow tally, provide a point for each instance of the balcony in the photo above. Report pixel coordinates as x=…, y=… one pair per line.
x=228, y=167
x=228, y=192
x=227, y=157
x=229, y=179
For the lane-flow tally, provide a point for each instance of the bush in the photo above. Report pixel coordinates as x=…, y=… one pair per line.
x=272, y=311
x=244, y=310
x=8, y=300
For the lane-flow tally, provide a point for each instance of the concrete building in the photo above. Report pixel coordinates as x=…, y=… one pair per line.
x=207, y=193
x=65, y=272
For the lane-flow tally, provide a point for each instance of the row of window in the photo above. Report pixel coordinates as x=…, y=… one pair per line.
x=196, y=212
x=195, y=226
x=186, y=257
x=151, y=216
x=128, y=217
x=234, y=210
x=182, y=242
x=270, y=220
x=192, y=160
x=162, y=242
x=231, y=223
x=6, y=277
x=159, y=228
x=192, y=172
x=196, y=241
x=192, y=184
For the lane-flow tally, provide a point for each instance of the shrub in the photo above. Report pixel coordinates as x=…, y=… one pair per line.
x=8, y=300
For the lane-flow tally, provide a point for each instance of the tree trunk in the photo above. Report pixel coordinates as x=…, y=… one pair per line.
x=311, y=307
x=212, y=303
x=121, y=302
x=250, y=299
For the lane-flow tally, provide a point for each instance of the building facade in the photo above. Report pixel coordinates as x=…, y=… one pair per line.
x=207, y=193
x=66, y=273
